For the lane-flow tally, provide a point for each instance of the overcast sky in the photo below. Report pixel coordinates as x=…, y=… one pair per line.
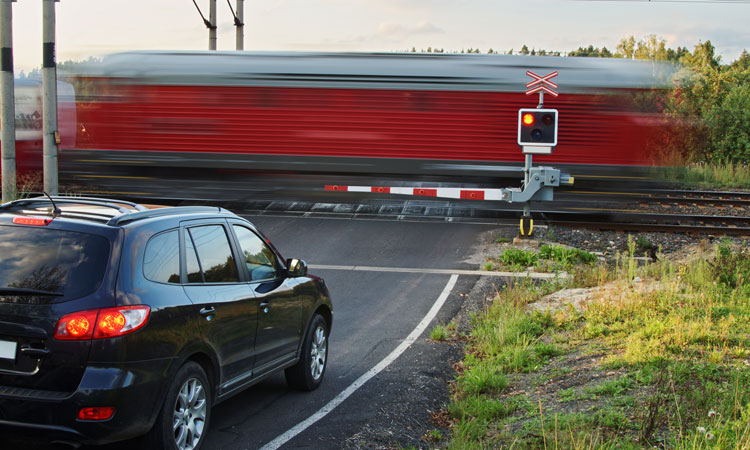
x=97, y=27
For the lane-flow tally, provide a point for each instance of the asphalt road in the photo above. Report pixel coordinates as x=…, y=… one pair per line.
x=374, y=311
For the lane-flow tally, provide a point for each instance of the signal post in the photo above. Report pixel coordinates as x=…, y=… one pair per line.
x=537, y=134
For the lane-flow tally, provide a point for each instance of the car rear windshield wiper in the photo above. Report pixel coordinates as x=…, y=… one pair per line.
x=25, y=291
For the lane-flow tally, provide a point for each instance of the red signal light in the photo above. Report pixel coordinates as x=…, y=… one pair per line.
x=528, y=119
x=96, y=413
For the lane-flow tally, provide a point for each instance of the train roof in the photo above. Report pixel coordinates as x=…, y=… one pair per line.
x=437, y=71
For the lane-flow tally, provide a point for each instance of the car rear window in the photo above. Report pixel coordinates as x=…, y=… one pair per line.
x=65, y=265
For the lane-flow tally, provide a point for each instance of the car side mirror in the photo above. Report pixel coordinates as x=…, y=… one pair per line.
x=296, y=267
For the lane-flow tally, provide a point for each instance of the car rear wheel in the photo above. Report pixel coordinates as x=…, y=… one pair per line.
x=307, y=374
x=183, y=421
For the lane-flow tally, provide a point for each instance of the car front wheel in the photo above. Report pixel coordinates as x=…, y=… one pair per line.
x=307, y=374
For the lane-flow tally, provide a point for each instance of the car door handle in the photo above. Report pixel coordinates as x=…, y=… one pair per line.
x=210, y=311
x=264, y=306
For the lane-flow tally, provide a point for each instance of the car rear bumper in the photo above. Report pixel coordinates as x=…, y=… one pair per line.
x=136, y=390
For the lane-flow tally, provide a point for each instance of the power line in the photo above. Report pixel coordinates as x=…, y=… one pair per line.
x=667, y=1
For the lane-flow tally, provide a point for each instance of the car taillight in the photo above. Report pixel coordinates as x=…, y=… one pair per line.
x=118, y=321
x=76, y=326
x=38, y=221
x=96, y=413
x=101, y=323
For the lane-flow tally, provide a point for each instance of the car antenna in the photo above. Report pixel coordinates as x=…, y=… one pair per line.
x=55, y=210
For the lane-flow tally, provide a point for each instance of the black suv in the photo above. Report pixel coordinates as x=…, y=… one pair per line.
x=117, y=320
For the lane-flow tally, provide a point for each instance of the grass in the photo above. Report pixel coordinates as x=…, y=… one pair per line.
x=663, y=362
x=443, y=332
x=709, y=175
x=550, y=258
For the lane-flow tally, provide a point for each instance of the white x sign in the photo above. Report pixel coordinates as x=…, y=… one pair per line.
x=541, y=80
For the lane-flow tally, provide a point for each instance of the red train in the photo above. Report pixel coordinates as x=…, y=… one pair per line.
x=348, y=113
x=28, y=109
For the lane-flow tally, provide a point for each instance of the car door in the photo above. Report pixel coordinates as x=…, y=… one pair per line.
x=279, y=308
x=227, y=308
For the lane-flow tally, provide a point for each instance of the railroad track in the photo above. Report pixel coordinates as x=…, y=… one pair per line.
x=647, y=222
x=662, y=197
x=644, y=210
x=474, y=212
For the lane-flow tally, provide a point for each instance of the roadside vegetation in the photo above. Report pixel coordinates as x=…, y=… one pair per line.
x=657, y=357
x=549, y=258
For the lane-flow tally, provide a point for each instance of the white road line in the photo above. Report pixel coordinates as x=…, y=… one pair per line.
x=359, y=382
x=486, y=273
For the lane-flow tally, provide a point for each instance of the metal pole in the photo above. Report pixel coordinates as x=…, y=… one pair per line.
x=49, y=100
x=212, y=28
x=526, y=179
x=240, y=24
x=7, y=98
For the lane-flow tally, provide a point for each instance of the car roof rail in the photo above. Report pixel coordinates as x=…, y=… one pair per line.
x=167, y=211
x=92, y=201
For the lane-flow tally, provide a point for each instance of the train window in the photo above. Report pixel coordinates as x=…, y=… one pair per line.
x=263, y=97
x=421, y=101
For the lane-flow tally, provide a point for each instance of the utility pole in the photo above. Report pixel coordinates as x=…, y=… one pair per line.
x=212, y=28
x=7, y=98
x=239, y=24
x=50, y=134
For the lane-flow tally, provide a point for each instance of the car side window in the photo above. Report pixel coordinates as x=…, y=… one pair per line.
x=214, y=262
x=161, y=259
x=259, y=258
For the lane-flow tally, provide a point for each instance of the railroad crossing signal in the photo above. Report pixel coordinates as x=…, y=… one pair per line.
x=541, y=84
x=537, y=127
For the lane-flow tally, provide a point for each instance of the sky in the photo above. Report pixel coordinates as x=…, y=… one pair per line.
x=86, y=28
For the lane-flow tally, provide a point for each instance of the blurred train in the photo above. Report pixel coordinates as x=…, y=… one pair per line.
x=441, y=116
x=28, y=112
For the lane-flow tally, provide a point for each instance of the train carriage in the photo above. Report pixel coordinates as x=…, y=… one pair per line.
x=437, y=115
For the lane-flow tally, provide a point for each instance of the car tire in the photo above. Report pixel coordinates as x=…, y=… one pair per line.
x=308, y=373
x=183, y=420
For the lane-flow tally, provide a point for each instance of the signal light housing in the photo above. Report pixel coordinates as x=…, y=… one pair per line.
x=537, y=127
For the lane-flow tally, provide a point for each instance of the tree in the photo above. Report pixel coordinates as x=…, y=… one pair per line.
x=743, y=62
x=730, y=127
x=703, y=57
x=626, y=48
